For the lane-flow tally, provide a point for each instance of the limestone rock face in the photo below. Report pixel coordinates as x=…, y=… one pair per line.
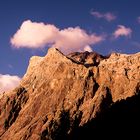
x=63, y=97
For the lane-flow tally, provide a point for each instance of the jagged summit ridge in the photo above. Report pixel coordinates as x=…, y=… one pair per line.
x=60, y=95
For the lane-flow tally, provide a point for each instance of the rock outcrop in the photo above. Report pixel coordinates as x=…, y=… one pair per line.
x=74, y=97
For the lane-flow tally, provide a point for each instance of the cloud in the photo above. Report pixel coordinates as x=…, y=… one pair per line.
x=75, y=39
x=34, y=35
x=122, y=31
x=38, y=35
x=138, y=19
x=88, y=48
x=8, y=82
x=107, y=16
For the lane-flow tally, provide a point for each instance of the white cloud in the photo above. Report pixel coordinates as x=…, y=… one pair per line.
x=75, y=39
x=34, y=35
x=88, y=48
x=37, y=35
x=138, y=19
x=122, y=31
x=107, y=16
x=8, y=82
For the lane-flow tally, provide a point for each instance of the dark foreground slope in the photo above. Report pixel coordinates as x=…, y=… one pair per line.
x=79, y=96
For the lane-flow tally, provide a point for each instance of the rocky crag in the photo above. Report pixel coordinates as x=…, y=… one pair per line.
x=79, y=96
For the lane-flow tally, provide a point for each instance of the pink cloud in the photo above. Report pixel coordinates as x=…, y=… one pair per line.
x=38, y=35
x=107, y=16
x=8, y=82
x=122, y=31
x=34, y=35
x=75, y=39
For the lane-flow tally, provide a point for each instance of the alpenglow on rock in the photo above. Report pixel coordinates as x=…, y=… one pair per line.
x=79, y=96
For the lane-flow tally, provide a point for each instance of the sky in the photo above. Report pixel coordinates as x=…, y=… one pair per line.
x=30, y=27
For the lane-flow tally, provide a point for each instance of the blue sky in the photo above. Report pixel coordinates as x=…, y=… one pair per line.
x=89, y=16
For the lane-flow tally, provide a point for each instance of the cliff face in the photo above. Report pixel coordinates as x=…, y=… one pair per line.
x=78, y=96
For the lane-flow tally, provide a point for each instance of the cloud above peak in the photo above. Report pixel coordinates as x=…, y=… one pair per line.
x=122, y=31
x=8, y=82
x=34, y=35
x=38, y=35
x=107, y=16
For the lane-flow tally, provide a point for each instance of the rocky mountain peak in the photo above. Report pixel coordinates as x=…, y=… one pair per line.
x=73, y=97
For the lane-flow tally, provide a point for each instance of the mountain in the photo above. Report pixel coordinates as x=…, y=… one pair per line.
x=79, y=96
